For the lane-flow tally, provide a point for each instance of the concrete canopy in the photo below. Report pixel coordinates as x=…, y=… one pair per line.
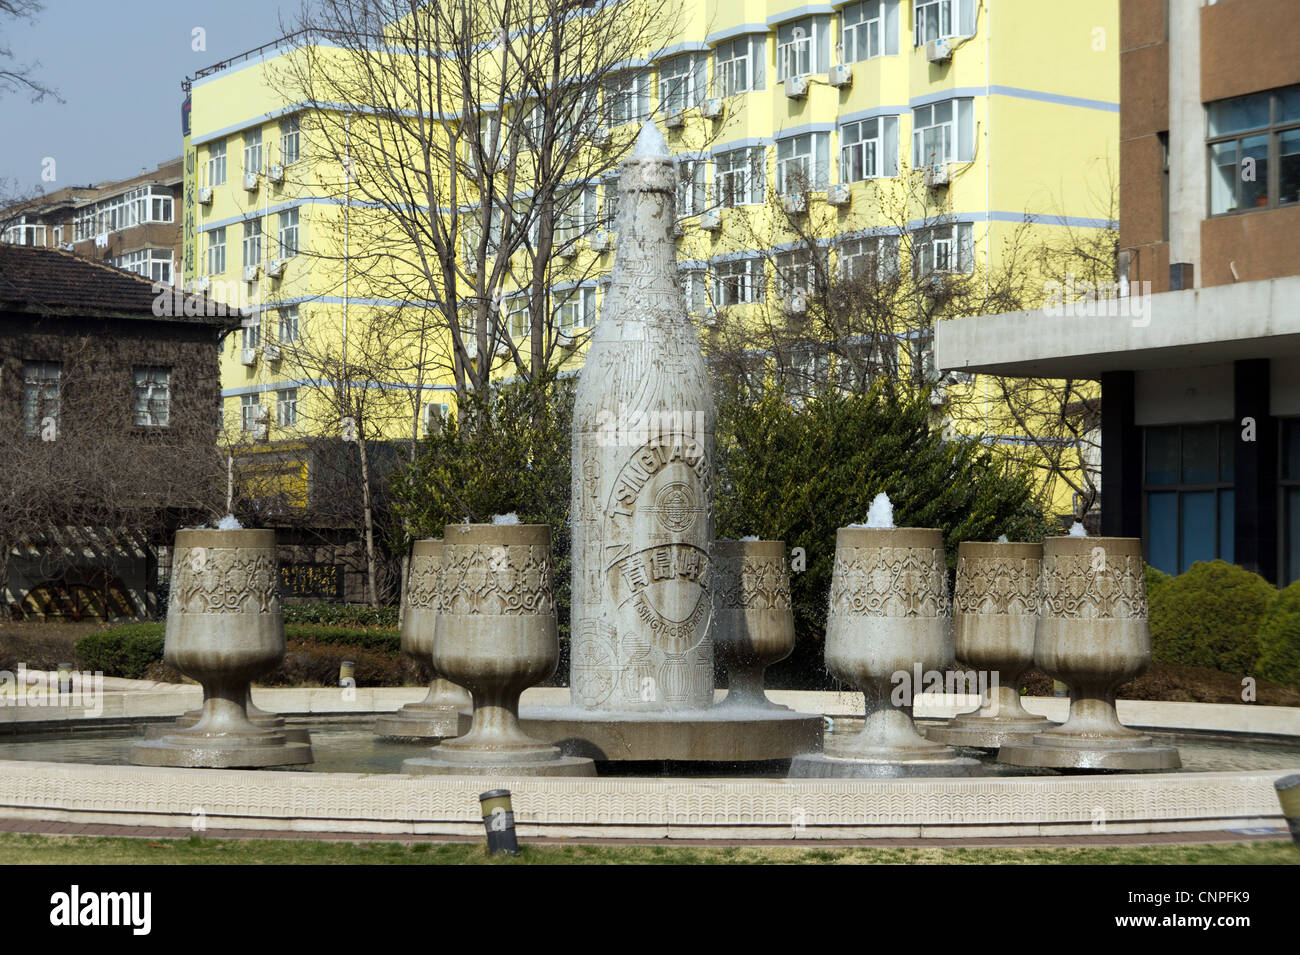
x=1169, y=330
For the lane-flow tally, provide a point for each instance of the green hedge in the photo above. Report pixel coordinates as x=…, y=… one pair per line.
x=1155, y=579
x=1210, y=617
x=129, y=650
x=340, y=615
x=1279, y=639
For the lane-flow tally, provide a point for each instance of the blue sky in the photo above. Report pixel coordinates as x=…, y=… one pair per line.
x=119, y=65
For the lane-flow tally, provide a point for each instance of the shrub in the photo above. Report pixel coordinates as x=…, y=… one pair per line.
x=307, y=663
x=798, y=472
x=126, y=651
x=1210, y=617
x=340, y=615
x=1279, y=639
x=1155, y=579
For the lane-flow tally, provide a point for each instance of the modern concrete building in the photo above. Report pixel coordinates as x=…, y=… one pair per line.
x=1199, y=354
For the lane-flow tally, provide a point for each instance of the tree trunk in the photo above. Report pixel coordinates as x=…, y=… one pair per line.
x=371, y=592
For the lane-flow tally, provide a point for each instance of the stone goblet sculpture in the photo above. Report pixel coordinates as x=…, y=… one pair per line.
x=496, y=636
x=752, y=618
x=256, y=715
x=995, y=616
x=889, y=617
x=1092, y=634
x=437, y=716
x=224, y=626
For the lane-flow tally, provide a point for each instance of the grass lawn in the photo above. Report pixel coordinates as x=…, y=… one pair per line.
x=17, y=849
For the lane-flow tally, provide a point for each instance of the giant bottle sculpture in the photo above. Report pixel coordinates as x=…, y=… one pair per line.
x=642, y=506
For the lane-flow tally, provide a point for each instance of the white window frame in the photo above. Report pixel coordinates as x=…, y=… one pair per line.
x=217, y=163
x=691, y=196
x=869, y=29
x=287, y=234
x=287, y=332
x=795, y=272
x=579, y=212
x=253, y=150
x=249, y=407
x=681, y=82
x=627, y=98
x=943, y=132
x=808, y=157
x=695, y=287
x=251, y=333
x=286, y=408
x=740, y=173
x=943, y=250
x=217, y=250
x=942, y=20
x=290, y=140
x=878, y=251
x=738, y=64
x=574, y=308
x=252, y=242
x=518, y=317
x=152, y=400
x=609, y=204
x=803, y=47
x=42, y=395
x=738, y=282
x=869, y=149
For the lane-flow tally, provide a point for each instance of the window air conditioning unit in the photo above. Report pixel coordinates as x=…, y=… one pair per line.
x=796, y=87
x=275, y=268
x=794, y=204
x=676, y=119
x=250, y=272
x=938, y=51
x=248, y=357
x=433, y=415
x=471, y=349
x=938, y=395
x=205, y=195
x=202, y=284
x=710, y=319
x=250, y=181
x=272, y=352
x=936, y=175
x=711, y=220
x=565, y=338
x=276, y=174
x=712, y=108
x=839, y=194
x=840, y=75
x=601, y=138
x=602, y=242
x=678, y=229
x=796, y=303
x=565, y=252
x=261, y=432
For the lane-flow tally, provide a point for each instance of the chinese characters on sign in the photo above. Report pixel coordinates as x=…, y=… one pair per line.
x=318, y=581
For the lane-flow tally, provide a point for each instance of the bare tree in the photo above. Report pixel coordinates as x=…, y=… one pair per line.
x=16, y=76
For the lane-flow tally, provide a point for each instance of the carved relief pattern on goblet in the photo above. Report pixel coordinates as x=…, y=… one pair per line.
x=1092, y=587
x=998, y=585
x=422, y=589
x=217, y=580
x=751, y=583
x=890, y=582
x=498, y=580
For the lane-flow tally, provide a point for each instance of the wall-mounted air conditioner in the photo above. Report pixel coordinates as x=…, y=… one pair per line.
x=272, y=352
x=676, y=119
x=936, y=175
x=275, y=268
x=565, y=338
x=202, y=284
x=433, y=417
x=276, y=173
x=839, y=194
x=796, y=203
x=679, y=230
x=251, y=272
x=602, y=242
x=712, y=108
x=250, y=181
x=938, y=51
x=711, y=220
x=601, y=138
x=796, y=87
x=840, y=75
x=205, y=195
x=796, y=303
x=248, y=357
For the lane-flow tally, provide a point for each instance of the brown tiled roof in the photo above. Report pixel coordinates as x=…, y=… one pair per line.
x=53, y=282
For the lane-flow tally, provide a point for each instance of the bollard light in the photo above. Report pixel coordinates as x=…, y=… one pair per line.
x=499, y=821
x=347, y=673
x=1288, y=794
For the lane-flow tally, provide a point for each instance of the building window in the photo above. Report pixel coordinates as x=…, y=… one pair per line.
x=803, y=47
x=252, y=334
x=869, y=258
x=1290, y=488
x=288, y=333
x=217, y=251
x=27, y=234
x=868, y=29
x=940, y=19
x=681, y=82
x=1254, y=151
x=690, y=187
x=802, y=163
x=579, y=212
x=289, y=140
x=250, y=409
x=253, y=151
x=795, y=273
x=627, y=98
x=740, y=177
x=738, y=65
x=519, y=318
x=217, y=164
x=288, y=233
x=575, y=308
x=252, y=242
x=286, y=407
x=41, y=396
x=869, y=149
x=695, y=285
x=1188, y=489
x=738, y=282
x=943, y=132
x=161, y=209
x=609, y=215
x=943, y=250
x=153, y=397
x=153, y=264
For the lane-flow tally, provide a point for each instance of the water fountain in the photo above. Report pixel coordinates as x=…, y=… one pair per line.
x=995, y=615
x=496, y=636
x=437, y=716
x=753, y=619
x=224, y=626
x=890, y=615
x=1092, y=634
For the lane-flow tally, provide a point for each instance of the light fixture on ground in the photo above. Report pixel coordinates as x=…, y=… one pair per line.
x=994, y=619
x=752, y=617
x=889, y=611
x=224, y=626
x=1092, y=634
x=496, y=636
x=437, y=716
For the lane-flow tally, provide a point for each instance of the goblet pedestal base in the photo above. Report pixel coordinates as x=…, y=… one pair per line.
x=1052, y=750
x=831, y=766
x=221, y=750
x=261, y=719
x=492, y=764
x=420, y=721
x=976, y=732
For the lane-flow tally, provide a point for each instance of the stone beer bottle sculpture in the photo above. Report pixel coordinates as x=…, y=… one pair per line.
x=642, y=505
